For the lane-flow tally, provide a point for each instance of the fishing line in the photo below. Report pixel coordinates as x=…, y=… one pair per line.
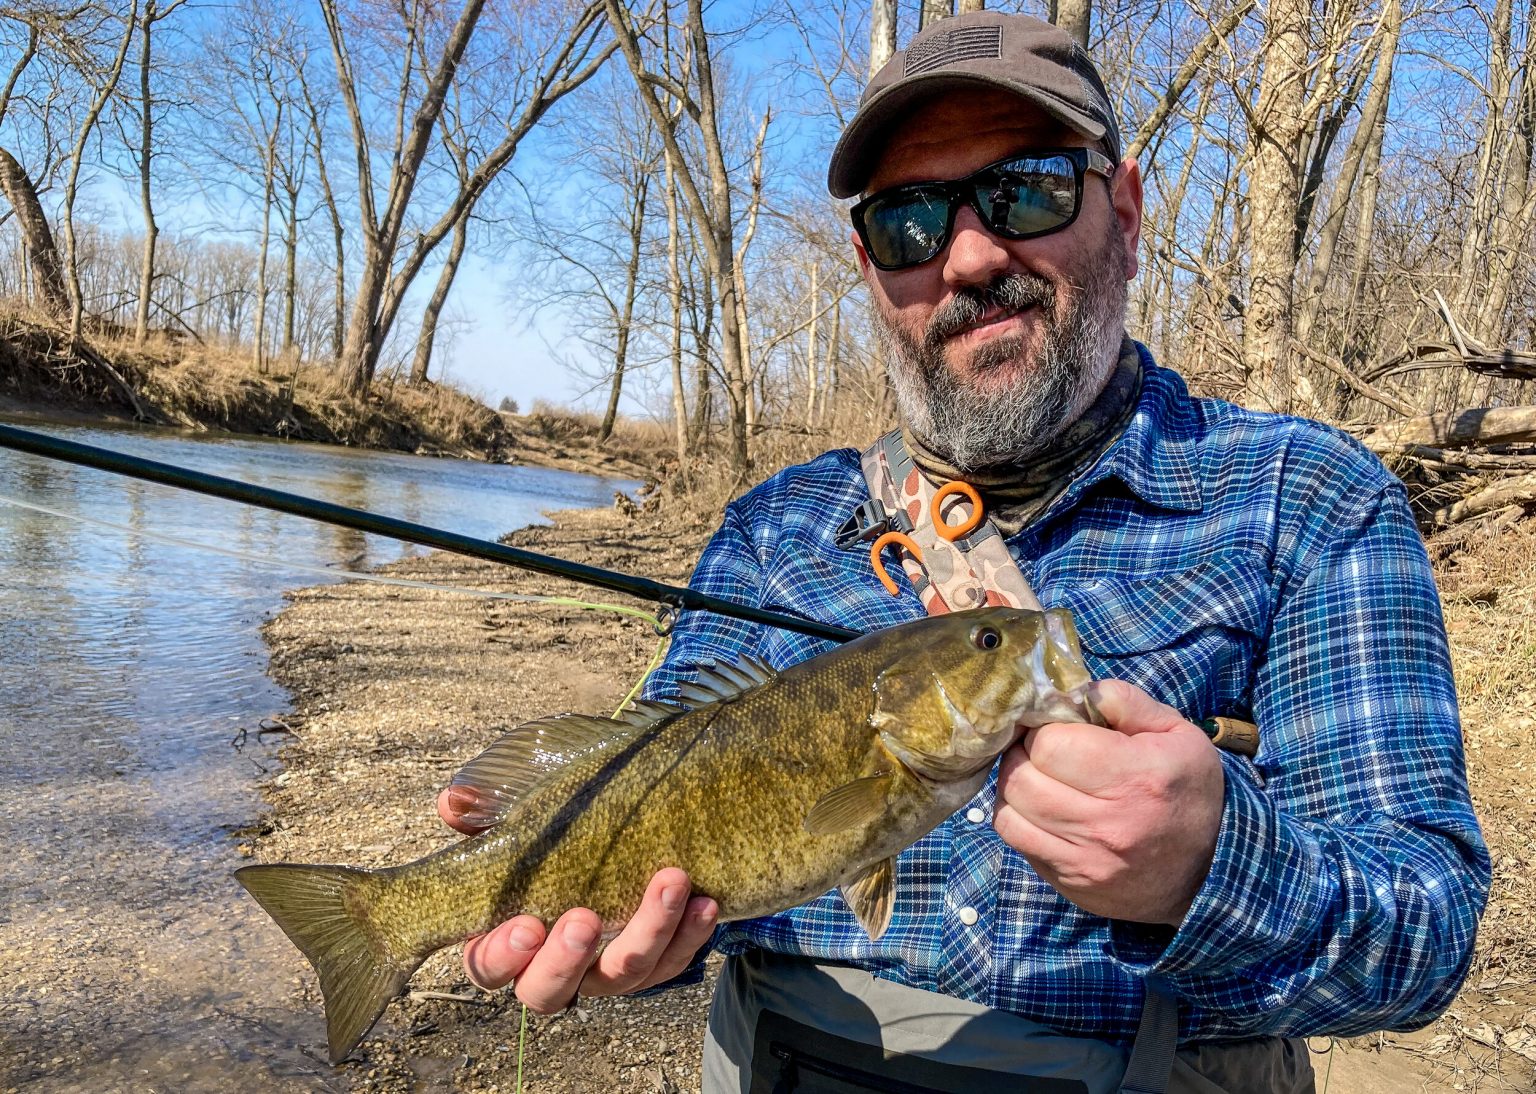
x=355, y=575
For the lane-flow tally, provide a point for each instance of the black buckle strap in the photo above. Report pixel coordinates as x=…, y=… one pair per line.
x=869, y=522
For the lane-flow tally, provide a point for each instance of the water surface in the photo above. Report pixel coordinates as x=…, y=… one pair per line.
x=129, y=667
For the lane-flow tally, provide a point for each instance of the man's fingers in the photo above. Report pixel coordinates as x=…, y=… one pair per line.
x=1047, y=801
x=495, y=958
x=699, y=921
x=549, y=982
x=629, y=960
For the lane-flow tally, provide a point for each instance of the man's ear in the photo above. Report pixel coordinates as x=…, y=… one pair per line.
x=1125, y=199
x=858, y=250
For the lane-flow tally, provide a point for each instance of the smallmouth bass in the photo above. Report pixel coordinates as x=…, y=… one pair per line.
x=768, y=787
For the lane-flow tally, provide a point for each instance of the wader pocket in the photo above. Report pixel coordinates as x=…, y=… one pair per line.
x=791, y=1058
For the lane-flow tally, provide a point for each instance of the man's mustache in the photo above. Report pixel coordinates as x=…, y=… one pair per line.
x=1010, y=292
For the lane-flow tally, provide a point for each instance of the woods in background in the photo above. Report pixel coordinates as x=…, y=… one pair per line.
x=1339, y=199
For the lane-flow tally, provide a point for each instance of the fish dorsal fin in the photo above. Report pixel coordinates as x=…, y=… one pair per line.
x=526, y=755
x=849, y=806
x=727, y=680
x=872, y=897
x=645, y=712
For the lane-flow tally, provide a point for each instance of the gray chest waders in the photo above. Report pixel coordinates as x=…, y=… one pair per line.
x=782, y=1024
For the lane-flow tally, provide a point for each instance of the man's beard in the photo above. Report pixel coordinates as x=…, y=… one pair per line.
x=975, y=424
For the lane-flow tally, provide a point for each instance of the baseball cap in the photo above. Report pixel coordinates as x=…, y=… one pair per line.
x=1018, y=53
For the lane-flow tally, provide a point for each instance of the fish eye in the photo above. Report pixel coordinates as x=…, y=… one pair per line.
x=986, y=638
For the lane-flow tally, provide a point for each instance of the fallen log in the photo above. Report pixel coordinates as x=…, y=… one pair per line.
x=1519, y=490
x=1461, y=461
x=1487, y=425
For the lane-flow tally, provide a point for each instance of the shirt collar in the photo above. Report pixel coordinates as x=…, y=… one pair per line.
x=1155, y=455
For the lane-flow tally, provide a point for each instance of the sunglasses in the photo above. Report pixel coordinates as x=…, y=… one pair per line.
x=1017, y=198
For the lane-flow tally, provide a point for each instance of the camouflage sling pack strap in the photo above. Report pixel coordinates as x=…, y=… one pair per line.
x=970, y=572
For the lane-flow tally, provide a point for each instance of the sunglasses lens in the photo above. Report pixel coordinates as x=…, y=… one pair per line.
x=1028, y=196
x=906, y=228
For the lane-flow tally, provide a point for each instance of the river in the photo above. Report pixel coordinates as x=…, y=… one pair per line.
x=132, y=687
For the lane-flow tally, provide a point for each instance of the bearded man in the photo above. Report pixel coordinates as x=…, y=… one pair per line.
x=1111, y=892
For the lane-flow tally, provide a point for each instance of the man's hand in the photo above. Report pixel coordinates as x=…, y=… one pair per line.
x=1121, y=821
x=550, y=968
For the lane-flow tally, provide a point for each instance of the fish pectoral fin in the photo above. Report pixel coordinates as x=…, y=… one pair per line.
x=872, y=897
x=849, y=806
x=526, y=755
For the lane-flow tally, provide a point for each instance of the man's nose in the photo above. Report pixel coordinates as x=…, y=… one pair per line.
x=975, y=256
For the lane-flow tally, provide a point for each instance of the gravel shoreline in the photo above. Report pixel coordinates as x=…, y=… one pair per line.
x=394, y=688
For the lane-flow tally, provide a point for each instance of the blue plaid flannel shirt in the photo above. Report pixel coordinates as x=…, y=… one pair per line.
x=1228, y=563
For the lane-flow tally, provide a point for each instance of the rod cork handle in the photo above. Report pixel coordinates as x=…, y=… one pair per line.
x=1233, y=735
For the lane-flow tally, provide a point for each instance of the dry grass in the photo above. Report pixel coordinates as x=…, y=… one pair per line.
x=218, y=386
x=1487, y=1039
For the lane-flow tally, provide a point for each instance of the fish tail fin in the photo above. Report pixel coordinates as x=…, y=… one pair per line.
x=332, y=914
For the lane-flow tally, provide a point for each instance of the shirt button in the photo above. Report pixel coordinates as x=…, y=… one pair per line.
x=975, y=816
x=968, y=916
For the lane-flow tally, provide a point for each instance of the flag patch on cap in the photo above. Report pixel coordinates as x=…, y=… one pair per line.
x=947, y=47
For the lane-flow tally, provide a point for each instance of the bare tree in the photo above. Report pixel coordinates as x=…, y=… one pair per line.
x=43, y=261
x=709, y=198
x=153, y=13
x=569, y=58
x=104, y=82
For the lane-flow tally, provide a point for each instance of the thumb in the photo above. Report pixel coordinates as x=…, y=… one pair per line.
x=1127, y=709
x=456, y=804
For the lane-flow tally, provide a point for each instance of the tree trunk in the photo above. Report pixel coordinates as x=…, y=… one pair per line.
x=36, y=237
x=675, y=297
x=713, y=218
x=1458, y=429
x=934, y=10
x=627, y=309
x=146, y=153
x=259, y=342
x=1274, y=191
x=703, y=382
x=812, y=370
x=882, y=33
x=1073, y=16
x=291, y=271
x=1508, y=236
x=333, y=214
x=1472, y=270
x=360, y=351
x=426, y=338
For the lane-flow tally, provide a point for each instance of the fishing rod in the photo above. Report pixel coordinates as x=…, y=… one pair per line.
x=676, y=597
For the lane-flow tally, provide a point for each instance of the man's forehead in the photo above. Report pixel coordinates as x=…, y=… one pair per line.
x=953, y=133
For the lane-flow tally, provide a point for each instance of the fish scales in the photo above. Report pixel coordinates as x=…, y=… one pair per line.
x=768, y=795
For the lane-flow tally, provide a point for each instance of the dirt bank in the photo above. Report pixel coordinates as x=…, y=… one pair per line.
x=395, y=687
x=205, y=388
